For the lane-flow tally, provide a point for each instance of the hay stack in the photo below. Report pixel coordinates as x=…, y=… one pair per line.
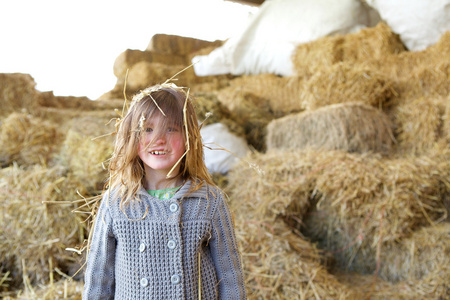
x=367, y=44
x=86, y=154
x=27, y=140
x=352, y=127
x=34, y=236
x=63, y=289
x=357, y=202
x=421, y=123
x=144, y=74
x=280, y=95
x=179, y=45
x=17, y=92
x=129, y=58
x=250, y=112
x=426, y=252
x=342, y=83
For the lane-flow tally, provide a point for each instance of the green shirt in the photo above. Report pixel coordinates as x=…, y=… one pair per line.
x=164, y=194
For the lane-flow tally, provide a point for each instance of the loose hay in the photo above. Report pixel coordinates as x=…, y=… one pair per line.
x=278, y=264
x=358, y=202
x=352, y=127
x=27, y=140
x=63, y=289
x=344, y=82
x=35, y=235
x=87, y=159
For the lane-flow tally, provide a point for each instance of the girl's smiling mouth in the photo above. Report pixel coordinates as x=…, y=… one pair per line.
x=156, y=152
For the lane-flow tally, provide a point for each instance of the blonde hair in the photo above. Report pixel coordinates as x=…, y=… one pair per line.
x=127, y=169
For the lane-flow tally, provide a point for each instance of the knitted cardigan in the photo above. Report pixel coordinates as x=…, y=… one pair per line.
x=152, y=248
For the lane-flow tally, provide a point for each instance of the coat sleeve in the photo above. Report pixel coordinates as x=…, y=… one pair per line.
x=225, y=254
x=99, y=275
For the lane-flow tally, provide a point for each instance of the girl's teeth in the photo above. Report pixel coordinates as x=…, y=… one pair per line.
x=158, y=152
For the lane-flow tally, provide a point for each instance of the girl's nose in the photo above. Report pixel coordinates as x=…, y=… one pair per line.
x=160, y=140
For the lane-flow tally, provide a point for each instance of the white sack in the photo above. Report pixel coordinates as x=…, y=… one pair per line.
x=268, y=42
x=217, y=136
x=419, y=23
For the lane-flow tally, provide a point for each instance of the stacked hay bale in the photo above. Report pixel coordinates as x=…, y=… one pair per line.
x=363, y=170
x=345, y=196
x=165, y=56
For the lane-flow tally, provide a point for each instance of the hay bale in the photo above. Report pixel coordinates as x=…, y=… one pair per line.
x=178, y=45
x=127, y=59
x=342, y=83
x=426, y=252
x=33, y=235
x=352, y=127
x=27, y=140
x=144, y=74
x=419, y=123
x=417, y=74
x=250, y=112
x=280, y=95
x=17, y=92
x=354, y=48
x=356, y=201
x=432, y=286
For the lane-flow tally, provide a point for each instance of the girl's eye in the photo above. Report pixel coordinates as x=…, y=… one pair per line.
x=172, y=129
x=148, y=129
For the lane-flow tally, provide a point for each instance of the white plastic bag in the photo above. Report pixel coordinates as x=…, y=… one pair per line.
x=226, y=148
x=268, y=42
x=419, y=23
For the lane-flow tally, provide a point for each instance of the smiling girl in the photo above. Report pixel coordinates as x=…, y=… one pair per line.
x=163, y=229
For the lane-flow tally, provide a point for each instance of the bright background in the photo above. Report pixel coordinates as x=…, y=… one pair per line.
x=69, y=47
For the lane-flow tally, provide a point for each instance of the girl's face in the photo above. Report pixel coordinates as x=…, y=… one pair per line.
x=165, y=151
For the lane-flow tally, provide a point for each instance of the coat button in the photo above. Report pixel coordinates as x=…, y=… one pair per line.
x=173, y=207
x=144, y=282
x=142, y=247
x=171, y=244
x=175, y=279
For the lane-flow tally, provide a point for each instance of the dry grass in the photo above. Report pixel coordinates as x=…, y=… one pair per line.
x=280, y=265
x=179, y=45
x=421, y=123
x=367, y=44
x=280, y=95
x=127, y=59
x=249, y=112
x=27, y=140
x=34, y=235
x=343, y=83
x=17, y=92
x=350, y=204
x=352, y=127
x=59, y=290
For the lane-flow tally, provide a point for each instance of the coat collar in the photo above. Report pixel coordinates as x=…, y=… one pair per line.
x=202, y=192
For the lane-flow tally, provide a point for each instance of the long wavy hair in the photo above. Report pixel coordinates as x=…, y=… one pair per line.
x=127, y=169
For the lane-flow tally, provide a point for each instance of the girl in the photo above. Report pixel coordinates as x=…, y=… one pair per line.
x=163, y=229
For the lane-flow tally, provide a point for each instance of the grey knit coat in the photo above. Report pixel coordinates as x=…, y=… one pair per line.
x=152, y=249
